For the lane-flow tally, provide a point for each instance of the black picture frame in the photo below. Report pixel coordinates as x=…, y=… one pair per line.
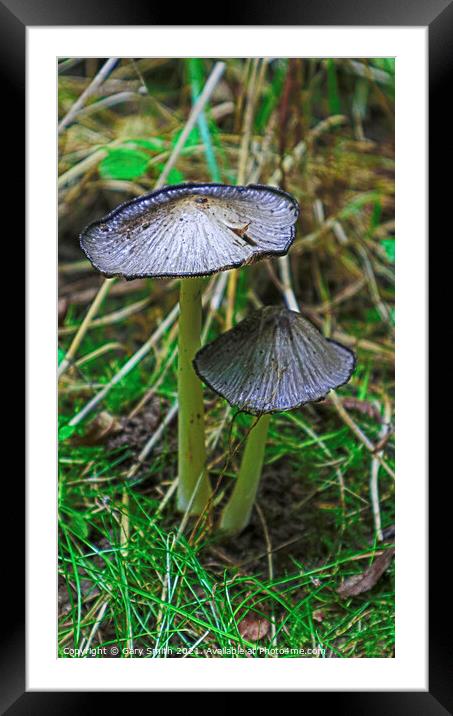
x=437, y=15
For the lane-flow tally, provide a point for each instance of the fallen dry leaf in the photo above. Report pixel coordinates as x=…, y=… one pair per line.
x=364, y=407
x=359, y=583
x=135, y=431
x=99, y=429
x=253, y=627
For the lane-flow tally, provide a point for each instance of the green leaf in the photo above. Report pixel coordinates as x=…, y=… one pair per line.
x=156, y=144
x=358, y=202
x=61, y=355
x=123, y=163
x=78, y=525
x=332, y=88
x=192, y=140
x=373, y=315
x=376, y=214
x=175, y=176
x=65, y=432
x=389, y=248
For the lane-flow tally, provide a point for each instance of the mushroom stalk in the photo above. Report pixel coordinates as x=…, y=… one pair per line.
x=236, y=515
x=191, y=438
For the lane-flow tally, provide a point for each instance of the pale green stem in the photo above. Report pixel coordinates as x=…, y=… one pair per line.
x=236, y=515
x=191, y=437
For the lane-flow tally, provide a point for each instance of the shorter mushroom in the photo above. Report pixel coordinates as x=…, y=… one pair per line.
x=274, y=360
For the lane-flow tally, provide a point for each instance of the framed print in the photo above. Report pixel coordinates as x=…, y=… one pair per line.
x=227, y=399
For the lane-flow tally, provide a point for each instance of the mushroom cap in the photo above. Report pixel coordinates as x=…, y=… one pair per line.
x=273, y=360
x=191, y=230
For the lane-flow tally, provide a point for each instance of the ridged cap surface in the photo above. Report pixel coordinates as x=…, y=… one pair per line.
x=273, y=360
x=191, y=230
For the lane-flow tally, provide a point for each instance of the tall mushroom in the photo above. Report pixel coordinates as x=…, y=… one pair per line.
x=274, y=360
x=190, y=231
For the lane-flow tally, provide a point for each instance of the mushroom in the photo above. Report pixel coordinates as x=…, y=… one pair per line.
x=274, y=360
x=190, y=231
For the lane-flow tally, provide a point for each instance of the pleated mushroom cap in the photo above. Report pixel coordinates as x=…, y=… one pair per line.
x=191, y=230
x=273, y=360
